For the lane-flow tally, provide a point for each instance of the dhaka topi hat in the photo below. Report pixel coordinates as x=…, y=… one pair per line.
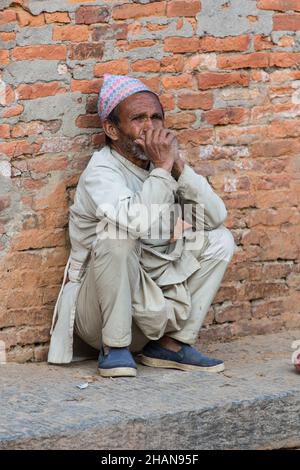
x=115, y=89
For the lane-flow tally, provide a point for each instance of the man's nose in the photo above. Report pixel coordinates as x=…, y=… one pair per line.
x=148, y=124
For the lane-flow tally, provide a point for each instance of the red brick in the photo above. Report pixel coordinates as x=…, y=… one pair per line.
x=119, y=67
x=280, y=5
x=254, y=60
x=225, y=116
x=4, y=57
x=10, y=36
x=24, y=129
x=263, y=43
x=57, y=17
x=183, y=8
x=88, y=120
x=92, y=15
x=180, y=45
x=172, y=64
x=284, y=59
x=7, y=16
x=86, y=86
x=75, y=33
x=25, y=18
x=153, y=83
x=39, y=238
x=286, y=22
x=49, y=52
x=86, y=50
x=195, y=100
x=146, y=65
x=130, y=45
x=13, y=111
x=275, y=148
x=7, y=96
x=128, y=11
x=208, y=80
x=196, y=136
x=4, y=131
x=168, y=102
x=39, y=90
x=180, y=120
x=177, y=82
x=230, y=43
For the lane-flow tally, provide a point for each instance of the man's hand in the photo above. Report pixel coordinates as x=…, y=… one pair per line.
x=160, y=146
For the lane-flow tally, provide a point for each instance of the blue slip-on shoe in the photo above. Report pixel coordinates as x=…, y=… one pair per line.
x=117, y=363
x=188, y=358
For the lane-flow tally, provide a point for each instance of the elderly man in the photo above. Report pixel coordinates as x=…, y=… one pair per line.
x=136, y=279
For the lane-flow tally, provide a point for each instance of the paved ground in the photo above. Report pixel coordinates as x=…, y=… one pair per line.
x=254, y=404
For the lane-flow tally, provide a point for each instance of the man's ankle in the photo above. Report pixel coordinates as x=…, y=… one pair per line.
x=169, y=343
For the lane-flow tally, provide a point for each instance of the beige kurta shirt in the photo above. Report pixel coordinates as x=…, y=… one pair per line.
x=108, y=193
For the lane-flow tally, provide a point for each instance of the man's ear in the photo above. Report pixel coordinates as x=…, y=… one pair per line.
x=110, y=130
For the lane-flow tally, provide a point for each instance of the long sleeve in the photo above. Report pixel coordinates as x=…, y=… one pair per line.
x=194, y=189
x=112, y=201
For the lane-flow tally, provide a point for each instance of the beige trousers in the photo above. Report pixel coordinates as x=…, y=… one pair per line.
x=115, y=287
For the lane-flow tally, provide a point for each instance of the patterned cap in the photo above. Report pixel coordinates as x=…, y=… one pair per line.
x=115, y=89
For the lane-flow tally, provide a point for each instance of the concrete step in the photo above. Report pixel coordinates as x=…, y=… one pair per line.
x=254, y=404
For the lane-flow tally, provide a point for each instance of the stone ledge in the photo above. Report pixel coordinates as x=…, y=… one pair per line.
x=254, y=404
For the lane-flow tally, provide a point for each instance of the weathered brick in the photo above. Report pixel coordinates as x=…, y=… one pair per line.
x=225, y=116
x=177, y=82
x=208, y=80
x=25, y=18
x=263, y=43
x=84, y=51
x=92, y=15
x=286, y=22
x=118, y=67
x=7, y=16
x=49, y=52
x=147, y=65
x=57, y=17
x=183, y=8
x=254, y=60
x=280, y=5
x=172, y=64
x=13, y=111
x=180, y=120
x=230, y=43
x=9, y=36
x=75, y=33
x=4, y=131
x=195, y=100
x=195, y=136
x=86, y=86
x=4, y=57
x=168, y=102
x=38, y=90
x=39, y=238
x=128, y=11
x=284, y=59
x=180, y=45
x=112, y=31
x=88, y=120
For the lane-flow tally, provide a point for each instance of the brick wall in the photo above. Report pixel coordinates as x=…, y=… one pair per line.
x=228, y=75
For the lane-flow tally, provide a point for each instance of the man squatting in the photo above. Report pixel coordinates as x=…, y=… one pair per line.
x=133, y=293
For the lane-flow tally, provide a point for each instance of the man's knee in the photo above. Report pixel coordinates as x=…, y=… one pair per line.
x=118, y=249
x=222, y=245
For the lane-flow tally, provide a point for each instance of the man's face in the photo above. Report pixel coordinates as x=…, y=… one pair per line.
x=137, y=114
